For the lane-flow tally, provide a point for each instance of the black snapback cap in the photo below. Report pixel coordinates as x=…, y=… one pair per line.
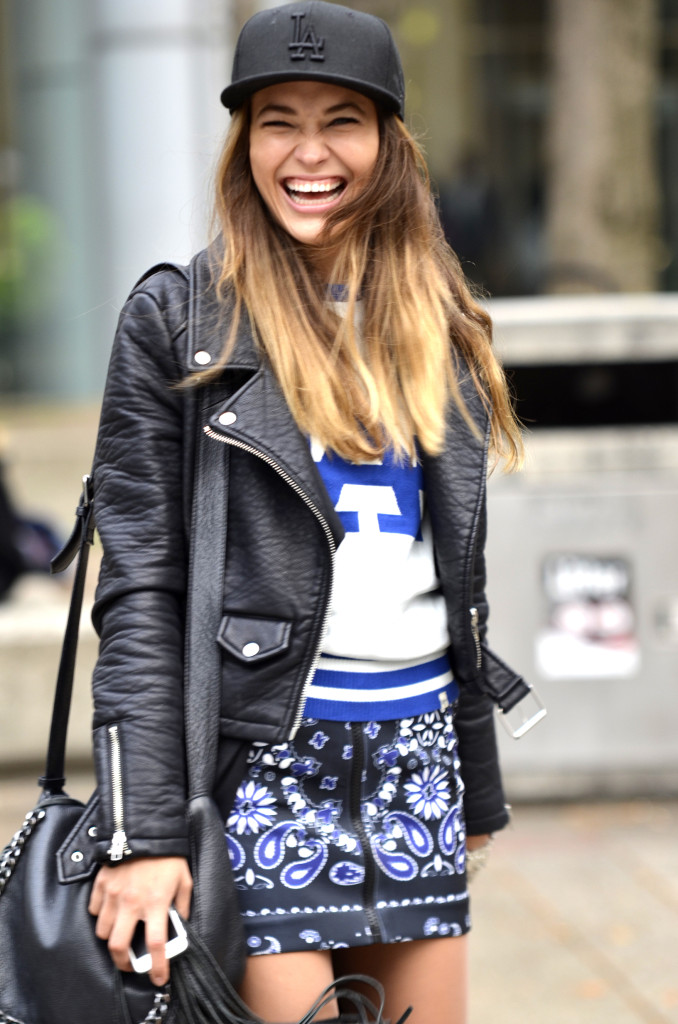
x=320, y=42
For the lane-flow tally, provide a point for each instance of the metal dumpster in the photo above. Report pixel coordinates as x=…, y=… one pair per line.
x=583, y=545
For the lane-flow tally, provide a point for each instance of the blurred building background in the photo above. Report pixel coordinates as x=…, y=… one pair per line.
x=551, y=130
x=109, y=117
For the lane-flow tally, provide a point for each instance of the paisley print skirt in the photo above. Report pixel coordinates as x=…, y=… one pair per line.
x=351, y=834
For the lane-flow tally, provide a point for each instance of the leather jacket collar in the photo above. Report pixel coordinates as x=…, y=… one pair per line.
x=251, y=412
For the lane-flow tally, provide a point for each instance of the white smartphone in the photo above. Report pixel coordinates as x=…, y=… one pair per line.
x=177, y=942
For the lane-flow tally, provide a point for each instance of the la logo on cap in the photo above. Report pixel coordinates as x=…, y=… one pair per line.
x=305, y=43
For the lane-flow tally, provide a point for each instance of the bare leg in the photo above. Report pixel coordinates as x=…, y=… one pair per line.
x=430, y=975
x=281, y=987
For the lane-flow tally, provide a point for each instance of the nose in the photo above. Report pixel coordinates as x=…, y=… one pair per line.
x=311, y=150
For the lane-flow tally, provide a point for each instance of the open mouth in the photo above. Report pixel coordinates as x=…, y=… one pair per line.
x=314, y=193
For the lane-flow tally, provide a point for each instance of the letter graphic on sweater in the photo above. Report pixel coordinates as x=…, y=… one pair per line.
x=368, y=500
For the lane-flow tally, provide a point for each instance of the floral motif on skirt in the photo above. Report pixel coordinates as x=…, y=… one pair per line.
x=350, y=834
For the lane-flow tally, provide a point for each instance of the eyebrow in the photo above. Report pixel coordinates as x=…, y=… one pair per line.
x=280, y=108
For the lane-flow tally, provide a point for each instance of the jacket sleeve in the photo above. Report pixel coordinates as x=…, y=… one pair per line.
x=484, y=803
x=140, y=598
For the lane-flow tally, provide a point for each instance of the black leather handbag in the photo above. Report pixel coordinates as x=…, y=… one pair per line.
x=53, y=968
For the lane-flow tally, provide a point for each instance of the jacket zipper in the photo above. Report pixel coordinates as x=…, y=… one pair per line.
x=330, y=542
x=118, y=848
x=357, y=768
x=476, y=636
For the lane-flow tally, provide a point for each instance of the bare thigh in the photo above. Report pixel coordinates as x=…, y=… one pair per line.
x=281, y=987
x=430, y=975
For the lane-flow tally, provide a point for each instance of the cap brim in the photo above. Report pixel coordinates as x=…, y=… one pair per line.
x=235, y=95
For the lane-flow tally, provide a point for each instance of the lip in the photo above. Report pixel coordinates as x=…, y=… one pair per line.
x=310, y=191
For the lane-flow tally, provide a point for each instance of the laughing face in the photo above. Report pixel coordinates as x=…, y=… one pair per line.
x=313, y=146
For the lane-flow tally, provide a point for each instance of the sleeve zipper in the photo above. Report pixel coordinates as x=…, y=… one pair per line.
x=119, y=847
x=476, y=636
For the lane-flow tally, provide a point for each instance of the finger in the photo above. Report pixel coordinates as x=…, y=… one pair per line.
x=96, y=898
x=183, y=897
x=105, y=921
x=106, y=886
x=156, y=939
x=120, y=940
x=104, y=900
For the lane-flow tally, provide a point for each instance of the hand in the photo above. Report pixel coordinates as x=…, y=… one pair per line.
x=477, y=842
x=477, y=850
x=140, y=890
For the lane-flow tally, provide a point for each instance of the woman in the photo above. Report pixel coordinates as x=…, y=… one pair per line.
x=354, y=385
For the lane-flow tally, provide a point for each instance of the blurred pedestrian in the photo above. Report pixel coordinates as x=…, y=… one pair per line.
x=352, y=382
x=26, y=544
x=11, y=559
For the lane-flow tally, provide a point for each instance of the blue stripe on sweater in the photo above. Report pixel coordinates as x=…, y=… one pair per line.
x=350, y=680
x=399, y=693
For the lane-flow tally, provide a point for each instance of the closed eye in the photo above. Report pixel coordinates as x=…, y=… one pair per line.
x=275, y=124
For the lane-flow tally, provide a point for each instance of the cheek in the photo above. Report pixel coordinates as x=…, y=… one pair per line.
x=263, y=165
x=255, y=167
x=365, y=165
x=366, y=156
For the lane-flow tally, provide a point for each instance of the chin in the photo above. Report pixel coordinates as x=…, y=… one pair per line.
x=307, y=235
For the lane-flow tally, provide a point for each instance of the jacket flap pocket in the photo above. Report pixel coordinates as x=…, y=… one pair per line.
x=250, y=639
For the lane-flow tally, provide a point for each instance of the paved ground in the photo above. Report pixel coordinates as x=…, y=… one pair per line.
x=575, y=918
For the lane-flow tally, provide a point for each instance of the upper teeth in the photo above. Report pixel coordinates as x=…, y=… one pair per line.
x=312, y=186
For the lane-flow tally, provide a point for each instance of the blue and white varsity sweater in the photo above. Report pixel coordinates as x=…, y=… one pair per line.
x=384, y=655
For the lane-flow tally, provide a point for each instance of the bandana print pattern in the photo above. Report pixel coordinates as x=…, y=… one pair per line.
x=351, y=834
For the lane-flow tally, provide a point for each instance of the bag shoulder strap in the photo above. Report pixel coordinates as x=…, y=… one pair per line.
x=78, y=544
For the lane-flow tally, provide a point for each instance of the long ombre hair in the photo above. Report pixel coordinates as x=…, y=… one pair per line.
x=385, y=383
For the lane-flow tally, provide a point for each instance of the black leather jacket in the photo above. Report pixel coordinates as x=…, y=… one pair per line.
x=273, y=587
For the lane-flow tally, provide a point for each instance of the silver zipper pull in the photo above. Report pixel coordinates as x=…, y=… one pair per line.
x=118, y=848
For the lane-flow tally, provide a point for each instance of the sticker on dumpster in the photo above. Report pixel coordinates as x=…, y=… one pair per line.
x=590, y=630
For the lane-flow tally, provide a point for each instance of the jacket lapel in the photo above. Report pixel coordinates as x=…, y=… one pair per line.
x=250, y=410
